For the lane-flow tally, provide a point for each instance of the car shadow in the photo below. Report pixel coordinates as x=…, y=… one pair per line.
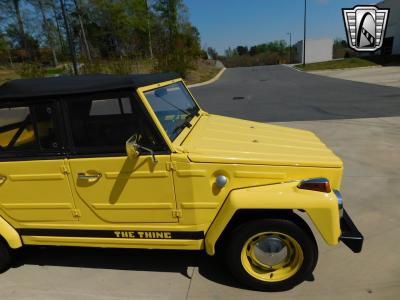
x=212, y=268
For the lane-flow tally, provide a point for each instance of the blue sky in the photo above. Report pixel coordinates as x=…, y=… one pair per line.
x=224, y=23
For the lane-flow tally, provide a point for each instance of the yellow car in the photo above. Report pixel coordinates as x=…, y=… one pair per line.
x=134, y=162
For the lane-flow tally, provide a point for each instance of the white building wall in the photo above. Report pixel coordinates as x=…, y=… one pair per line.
x=393, y=26
x=317, y=50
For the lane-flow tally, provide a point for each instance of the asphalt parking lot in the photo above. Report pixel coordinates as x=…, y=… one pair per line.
x=279, y=94
x=360, y=122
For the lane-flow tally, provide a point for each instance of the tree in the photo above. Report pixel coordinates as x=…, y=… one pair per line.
x=262, y=54
x=57, y=17
x=148, y=18
x=213, y=54
x=253, y=50
x=30, y=51
x=5, y=48
x=69, y=38
x=230, y=52
x=242, y=50
x=340, y=49
x=98, y=29
x=20, y=23
x=82, y=29
x=42, y=6
x=13, y=9
x=179, y=41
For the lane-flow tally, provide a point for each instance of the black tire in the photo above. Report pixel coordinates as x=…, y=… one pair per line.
x=239, y=238
x=5, y=257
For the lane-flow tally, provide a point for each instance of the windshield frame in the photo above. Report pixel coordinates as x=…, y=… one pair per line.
x=185, y=131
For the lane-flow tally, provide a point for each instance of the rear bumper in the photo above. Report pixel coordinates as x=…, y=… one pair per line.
x=351, y=237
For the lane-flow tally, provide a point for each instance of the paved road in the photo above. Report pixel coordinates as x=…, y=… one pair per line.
x=370, y=149
x=278, y=93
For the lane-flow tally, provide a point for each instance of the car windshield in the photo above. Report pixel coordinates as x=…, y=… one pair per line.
x=174, y=107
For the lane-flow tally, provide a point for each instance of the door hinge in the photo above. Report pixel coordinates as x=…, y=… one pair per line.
x=171, y=166
x=65, y=170
x=177, y=213
x=76, y=213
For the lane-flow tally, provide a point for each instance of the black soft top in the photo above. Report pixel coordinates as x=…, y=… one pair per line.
x=69, y=85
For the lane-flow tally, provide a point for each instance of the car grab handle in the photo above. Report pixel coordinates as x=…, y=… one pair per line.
x=83, y=176
x=2, y=179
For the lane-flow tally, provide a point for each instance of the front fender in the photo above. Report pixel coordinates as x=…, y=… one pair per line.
x=322, y=208
x=9, y=234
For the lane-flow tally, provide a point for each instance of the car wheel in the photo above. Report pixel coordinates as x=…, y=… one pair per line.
x=5, y=257
x=271, y=254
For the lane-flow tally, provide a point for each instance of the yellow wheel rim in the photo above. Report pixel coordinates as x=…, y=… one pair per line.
x=272, y=256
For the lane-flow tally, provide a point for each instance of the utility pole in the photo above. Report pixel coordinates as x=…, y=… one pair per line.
x=305, y=27
x=290, y=47
x=69, y=38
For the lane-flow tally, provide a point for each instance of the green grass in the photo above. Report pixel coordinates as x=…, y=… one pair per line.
x=338, y=64
x=54, y=71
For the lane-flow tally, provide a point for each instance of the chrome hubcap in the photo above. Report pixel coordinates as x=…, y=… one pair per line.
x=270, y=251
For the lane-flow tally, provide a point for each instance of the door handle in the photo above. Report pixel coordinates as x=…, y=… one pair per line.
x=3, y=179
x=83, y=176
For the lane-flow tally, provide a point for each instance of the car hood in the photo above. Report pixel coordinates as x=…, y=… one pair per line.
x=218, y=139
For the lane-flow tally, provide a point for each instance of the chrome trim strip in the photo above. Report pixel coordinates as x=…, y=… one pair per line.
x=340, y=202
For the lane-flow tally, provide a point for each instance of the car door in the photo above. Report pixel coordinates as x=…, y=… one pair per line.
x=33, y=185
x=108, y=184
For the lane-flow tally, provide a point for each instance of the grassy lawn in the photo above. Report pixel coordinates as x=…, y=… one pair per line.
x=338, y=64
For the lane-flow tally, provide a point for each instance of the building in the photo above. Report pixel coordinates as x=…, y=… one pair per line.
x=391, y=42
x=317, y=50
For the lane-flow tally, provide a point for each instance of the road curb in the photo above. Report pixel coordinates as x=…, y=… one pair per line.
x=216, y=77
x=327, y=70
x=345, y=69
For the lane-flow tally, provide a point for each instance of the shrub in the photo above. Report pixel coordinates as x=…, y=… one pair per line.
x=31, y=70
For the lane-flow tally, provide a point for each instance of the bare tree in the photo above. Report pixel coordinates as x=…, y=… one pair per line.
x=47, y=30
x=149, y=29
x=69, y=38
x=53, y=6
x=82, y=29
x=20, y=23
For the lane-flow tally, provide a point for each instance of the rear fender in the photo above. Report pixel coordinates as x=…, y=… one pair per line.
x=10, y=235
x=322, y=208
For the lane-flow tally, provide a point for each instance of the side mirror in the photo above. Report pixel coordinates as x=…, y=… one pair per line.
x=132, y=149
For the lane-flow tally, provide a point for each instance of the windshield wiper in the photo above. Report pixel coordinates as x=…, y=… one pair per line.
x=174, y=106
x=186, y=123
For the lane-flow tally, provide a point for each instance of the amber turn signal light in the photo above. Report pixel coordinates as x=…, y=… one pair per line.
x=315, y=184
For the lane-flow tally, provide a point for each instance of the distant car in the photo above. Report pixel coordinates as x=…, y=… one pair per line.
x=134, y=162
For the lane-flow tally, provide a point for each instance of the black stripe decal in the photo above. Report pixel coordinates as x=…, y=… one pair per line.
x=132, y=234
